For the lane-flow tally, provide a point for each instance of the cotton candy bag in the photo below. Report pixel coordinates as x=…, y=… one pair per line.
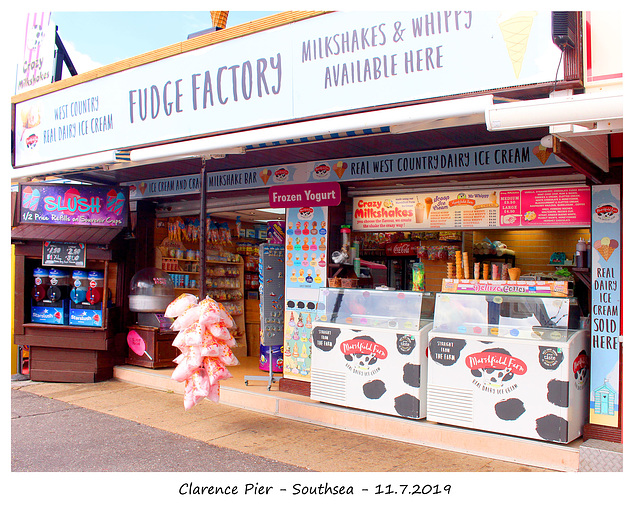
x=205, y=344
x=180, y=304
x=190, y=315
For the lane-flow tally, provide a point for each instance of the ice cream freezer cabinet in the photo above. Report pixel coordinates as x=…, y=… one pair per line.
x=509, y=364
x=369, y=350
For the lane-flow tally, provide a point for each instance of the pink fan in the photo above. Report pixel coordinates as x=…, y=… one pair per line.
x=136, y=342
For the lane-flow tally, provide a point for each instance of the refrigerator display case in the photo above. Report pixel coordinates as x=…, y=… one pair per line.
x=512, y=364
x=369, y=350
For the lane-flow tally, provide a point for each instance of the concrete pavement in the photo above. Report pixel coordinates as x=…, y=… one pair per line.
x=49, y=435
x=280, y=444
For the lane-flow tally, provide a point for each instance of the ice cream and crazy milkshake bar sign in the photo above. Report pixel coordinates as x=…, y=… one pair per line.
x=63, y=204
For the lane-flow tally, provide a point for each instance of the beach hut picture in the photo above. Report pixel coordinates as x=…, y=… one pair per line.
x=605, y=398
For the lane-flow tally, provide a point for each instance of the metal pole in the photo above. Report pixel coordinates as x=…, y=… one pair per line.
x=203, y=228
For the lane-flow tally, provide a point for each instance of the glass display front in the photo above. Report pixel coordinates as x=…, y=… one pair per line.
x=376, y=308
x=528, y=317
x=151, y=290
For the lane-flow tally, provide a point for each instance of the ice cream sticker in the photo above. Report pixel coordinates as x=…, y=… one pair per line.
x=606, y=247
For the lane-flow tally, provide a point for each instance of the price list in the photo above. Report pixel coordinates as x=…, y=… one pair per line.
x=55, y=253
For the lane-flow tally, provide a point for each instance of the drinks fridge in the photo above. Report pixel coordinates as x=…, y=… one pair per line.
x=369, y=350
x=511, y=362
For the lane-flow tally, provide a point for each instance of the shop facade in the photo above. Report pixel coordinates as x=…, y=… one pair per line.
x=399, y=162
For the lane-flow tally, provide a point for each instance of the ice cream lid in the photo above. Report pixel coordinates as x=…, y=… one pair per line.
x=40, y=271
x=96, y=275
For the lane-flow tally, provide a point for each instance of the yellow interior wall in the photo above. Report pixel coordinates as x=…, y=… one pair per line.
x=534, y=247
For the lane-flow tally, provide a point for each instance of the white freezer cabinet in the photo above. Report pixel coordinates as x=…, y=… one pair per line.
x=369, y=350
x=509, y=364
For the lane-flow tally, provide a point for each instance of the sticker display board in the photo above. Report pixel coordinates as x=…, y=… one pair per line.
x=472, y=209
x=606, y=309
x=305, y=273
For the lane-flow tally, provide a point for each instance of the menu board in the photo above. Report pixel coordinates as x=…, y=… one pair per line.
x=63, y=254
x=473, y=209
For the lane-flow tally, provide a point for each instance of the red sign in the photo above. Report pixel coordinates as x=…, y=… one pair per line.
x=305, y=195
x=363, y=346
x=408, y=249
x=495, y=360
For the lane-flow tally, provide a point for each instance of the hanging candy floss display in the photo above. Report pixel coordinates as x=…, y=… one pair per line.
x=205, y=343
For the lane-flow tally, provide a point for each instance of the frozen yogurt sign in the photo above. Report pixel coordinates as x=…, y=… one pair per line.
x=305, y=195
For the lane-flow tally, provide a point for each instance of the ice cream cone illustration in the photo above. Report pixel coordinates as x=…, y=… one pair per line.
x=606, y=247
x=515, y=28
x=542, y=153
x=428, y=202
x=265, y=174
x=30, y=119
x=339, y=168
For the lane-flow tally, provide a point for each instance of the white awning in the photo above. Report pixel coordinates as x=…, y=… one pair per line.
x=580, y=114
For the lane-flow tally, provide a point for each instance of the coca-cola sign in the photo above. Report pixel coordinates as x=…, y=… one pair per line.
x=408, y=249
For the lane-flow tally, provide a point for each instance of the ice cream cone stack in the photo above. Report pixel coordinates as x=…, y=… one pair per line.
x=450, y=270
x=515, y=30
x=458, y=264
x=485, y=271
x=465, y=264
x=476, y=271
x=514, y=273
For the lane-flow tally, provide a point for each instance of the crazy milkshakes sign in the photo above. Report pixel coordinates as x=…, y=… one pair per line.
x=327, y=64
x=490, y=208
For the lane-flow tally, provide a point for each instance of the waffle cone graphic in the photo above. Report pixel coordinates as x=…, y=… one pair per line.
x=515, y=32
x=606, y=251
